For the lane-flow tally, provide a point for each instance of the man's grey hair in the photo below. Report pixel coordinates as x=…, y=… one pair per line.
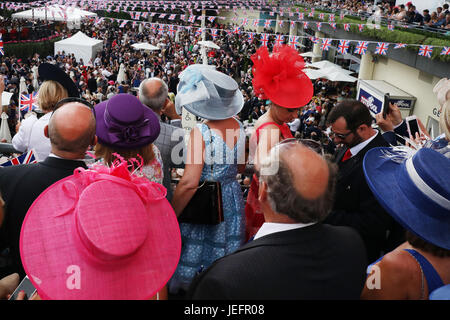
x=285, y=199
x=157, y=101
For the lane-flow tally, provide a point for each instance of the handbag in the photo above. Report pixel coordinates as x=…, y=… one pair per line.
x=205, y=206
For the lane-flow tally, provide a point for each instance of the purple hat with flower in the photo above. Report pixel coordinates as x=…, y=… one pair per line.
x=124, y=122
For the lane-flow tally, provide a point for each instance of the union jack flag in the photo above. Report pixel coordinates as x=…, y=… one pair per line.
x=267, y=23
x=198, y=32
x=331, y=17
x=264, y=39
x=293, y=41
x=326, y=44
x=382, y=48
x=343, y=46
x=244, y=21
x=292, y=23
x=400, y=45
x=172, y=17
x=153, y=26
x=1, y=45
x=24, y=158
x=214, y=33
x=360, y=27
x=279, y=39
x=211, y=19
x=321, y=16
x=342, y=16
x=28, y=102
x=305, y=24
x=361, y=48
x=445, y=51
x=280, y=23
x=171, y=30
x=347, y=26
x=255, y=22
x=311, y=14
x=425, y=51
x=191, y=19
x=251, y=37
x=319, y=25
x=301, y=16
x=333, y=25
x=162, y=15
x=161, y=29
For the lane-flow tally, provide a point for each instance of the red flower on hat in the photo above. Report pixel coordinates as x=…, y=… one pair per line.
x=279, y=77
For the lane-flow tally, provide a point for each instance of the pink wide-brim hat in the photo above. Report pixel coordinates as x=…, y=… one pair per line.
x=100, y=234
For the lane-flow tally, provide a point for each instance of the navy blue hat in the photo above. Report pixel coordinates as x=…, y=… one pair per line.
x=48, y=71
x=414, y=190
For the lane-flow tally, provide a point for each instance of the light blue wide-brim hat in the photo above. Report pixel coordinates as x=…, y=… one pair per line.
x=208, y=93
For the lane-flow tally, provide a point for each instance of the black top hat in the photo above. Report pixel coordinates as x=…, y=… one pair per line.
x=48, y=71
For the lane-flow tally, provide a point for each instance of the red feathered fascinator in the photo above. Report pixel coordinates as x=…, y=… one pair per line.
x=279, y=77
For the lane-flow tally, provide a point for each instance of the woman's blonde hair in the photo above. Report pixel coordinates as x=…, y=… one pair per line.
x=50, y=93
x=444, y=119
x=105, y=152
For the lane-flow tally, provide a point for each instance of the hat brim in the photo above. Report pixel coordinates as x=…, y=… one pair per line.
x=48, y=71
x=212, y=110
x=382, y=178
x=102, y=131
x=48, y=248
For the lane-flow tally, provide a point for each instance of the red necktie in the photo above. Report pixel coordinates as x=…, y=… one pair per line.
x=347, y=155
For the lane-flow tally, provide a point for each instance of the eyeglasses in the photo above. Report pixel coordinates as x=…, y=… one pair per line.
x=64, y=101
x=341, y=136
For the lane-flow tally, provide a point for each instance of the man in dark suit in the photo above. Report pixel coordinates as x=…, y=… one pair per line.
x=293, y=255
x=153, y=93
x=355, y=205
x=71, y=130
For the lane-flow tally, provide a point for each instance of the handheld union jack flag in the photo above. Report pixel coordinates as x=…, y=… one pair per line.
x=264, y=39
x=28, y=102
x=425, y=51
x=279, y=39
x=237, y=30
x=445, y=51
x=382, y=48
x=343, y=46
x=400, y=45
x=326, y=44
x=347, y=26
x=1, y=45
x=214, y=34
x=25, y=158
x=361, y=48
x=251, y=37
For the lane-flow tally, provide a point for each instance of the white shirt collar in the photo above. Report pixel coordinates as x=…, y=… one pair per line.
x=354, y=150
x=270, y=227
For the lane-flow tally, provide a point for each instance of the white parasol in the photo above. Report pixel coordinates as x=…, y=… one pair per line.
x=209, y=44
x=144, y=46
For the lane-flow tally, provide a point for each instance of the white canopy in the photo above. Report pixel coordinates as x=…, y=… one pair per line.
x=144, y=46
x=71, y=15
x=314, y=74
x=209, y=44
x=310, y=54
x=81, y=46
x=340, y=77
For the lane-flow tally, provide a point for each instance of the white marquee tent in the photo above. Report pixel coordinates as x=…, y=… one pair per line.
x=81, y=46
x=71, y=15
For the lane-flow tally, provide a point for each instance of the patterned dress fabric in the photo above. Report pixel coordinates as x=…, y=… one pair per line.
x=203, y=244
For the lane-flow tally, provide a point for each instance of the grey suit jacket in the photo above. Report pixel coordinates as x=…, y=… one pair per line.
x=170, y=143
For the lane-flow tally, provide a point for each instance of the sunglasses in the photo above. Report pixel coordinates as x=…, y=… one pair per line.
x=341, y=136
x=312, y=144
x=64, y=101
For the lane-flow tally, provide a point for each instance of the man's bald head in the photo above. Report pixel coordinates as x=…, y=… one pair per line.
x=303, y=186
x=71, y=130
x=153, y=93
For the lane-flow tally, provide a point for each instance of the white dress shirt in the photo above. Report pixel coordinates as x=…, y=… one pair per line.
x=271, y=227
x=354, y=150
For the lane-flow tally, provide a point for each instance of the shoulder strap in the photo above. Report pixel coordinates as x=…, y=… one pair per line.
x=284, y=133
x=434, y=281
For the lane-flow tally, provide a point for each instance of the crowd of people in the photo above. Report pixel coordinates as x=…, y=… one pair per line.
x=334, y=209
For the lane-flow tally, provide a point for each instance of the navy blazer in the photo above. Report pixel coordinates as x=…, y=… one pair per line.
x=314, y=262
x=20, y=186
